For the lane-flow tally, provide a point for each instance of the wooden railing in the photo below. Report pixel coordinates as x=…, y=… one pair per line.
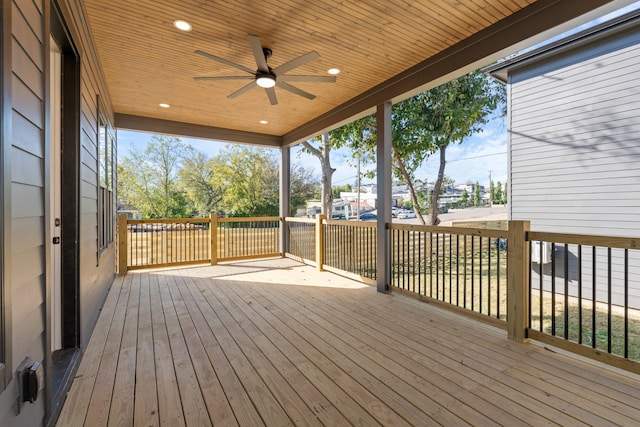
x=149, y=243
x=462, y=267
x=351, y=246
x=584, y=295
x=245, y=238
x=301, y=233
x=163, y=242
x=578, y=292
x=344, y=247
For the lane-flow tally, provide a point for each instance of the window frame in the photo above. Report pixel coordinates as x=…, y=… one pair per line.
x=105, y=177
x=5, y=211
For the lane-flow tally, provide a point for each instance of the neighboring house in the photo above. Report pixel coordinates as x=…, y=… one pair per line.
x=574, y=142
x=58, y=150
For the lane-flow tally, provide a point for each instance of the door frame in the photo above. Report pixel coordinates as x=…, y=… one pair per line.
x=70, y=198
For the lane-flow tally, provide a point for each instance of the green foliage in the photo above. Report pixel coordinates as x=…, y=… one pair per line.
x=250, y=178
x=171, y=179
x=498, y=195
x=337, y=189
x=428, y=123
x=202, y=192
x=465, y=198
x=492, y=192
x=476, y=195
x=450, y=113
x=304, y=186
x=148, y=178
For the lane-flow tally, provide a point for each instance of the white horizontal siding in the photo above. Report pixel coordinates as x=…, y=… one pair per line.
x=575, y=146
x=574, y=161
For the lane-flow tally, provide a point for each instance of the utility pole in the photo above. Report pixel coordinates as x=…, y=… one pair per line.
x=358, y=188
x=490, y=193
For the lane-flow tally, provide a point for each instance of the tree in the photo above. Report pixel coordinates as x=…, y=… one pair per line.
x=448, y=114
x=336, y=190
x=505, y=198
x=197, y=182
x=249, y=176
x=323, y=153
x=498, y=193
x=148, y=178
x=465, y=198
x=429, y=122
x=492, y=193
x=304, y=186
x=476, y=195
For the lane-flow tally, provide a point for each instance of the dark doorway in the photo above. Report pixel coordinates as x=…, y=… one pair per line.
x=64, y=142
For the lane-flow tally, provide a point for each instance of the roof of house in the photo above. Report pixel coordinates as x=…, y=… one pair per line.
x=627, y=22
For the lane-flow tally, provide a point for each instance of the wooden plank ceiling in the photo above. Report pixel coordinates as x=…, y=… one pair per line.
x=146, y=61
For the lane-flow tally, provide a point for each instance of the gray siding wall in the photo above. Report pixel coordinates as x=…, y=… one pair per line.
x=27, y=262
x=575, y=150
x=575, y=145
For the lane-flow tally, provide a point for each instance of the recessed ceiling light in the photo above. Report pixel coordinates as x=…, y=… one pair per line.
x=182, y=25
x=263, y=122
x=163, y=105
x=333, y=71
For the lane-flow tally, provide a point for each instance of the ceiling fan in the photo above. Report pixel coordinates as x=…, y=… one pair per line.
x=267, y=77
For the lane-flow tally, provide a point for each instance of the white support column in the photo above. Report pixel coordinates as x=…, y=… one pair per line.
x=383, y=119
x=285, y=196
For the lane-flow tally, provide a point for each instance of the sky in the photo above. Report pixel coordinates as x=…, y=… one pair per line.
x=477, y=158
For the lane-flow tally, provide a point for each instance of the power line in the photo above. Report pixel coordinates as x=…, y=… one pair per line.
x=448, y=161
x=477, y=157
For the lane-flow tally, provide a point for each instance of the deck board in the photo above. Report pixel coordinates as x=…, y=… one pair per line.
x=274, y=342
x=146, y=394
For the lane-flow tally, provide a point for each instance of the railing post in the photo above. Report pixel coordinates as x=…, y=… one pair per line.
x=518, y=271
x=319, y=242
x=285, y=238
x=122, y=244
x=213, y=232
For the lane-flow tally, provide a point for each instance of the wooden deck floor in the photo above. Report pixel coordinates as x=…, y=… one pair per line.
x=277, y=343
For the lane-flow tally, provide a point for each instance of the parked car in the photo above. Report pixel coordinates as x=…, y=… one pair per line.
x=368, y=215
x=395, y=211
x=406, y=214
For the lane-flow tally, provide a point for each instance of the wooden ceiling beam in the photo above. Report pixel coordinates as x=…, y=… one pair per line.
x=148, y=124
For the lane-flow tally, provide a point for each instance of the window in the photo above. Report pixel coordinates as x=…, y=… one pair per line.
x=106, y=177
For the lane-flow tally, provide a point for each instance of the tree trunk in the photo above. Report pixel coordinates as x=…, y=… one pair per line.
x=412, y=191
x=433, y=207
x=327, y=172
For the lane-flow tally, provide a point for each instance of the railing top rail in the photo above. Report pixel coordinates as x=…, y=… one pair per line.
x=301, y=220
x=354, y=223
x=464, y=231
x=167, y=221
x=585, y=239
x=250, y=219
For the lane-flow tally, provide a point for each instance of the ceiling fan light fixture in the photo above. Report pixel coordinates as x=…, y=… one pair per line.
x=265, y=80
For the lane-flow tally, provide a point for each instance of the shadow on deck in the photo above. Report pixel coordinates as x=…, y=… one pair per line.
x=276, y=343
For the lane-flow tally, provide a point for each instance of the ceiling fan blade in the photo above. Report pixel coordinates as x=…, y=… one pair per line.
x=225, y=78
x=224, y=61
x=242, y=90
x=317, y=79
x=293, y=89
x=295, y=63
x=258, y=53
x=271, y=93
